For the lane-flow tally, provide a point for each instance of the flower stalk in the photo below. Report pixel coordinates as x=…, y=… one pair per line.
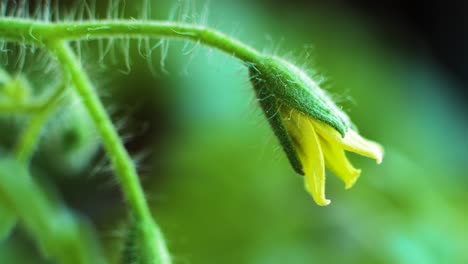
x=38, y=33
x=29, y=139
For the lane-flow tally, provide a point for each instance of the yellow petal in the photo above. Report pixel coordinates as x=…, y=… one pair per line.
x=338, y=163
x=306, y=142
x=352, y=141
x=355, y=143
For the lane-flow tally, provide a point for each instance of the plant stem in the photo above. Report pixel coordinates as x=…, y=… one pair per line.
x=29, y=108
x=30, y=31
x=28, y=140
x=121, y=161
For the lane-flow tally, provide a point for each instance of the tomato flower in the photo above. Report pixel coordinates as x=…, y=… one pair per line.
x=312, y=130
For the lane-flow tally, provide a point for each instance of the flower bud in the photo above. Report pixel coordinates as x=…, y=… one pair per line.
x=312, y=130
x=14, y=90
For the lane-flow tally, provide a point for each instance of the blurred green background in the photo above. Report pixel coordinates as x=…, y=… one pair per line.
x=220, y=186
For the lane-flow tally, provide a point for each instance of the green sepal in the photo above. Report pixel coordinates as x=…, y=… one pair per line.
x=270, y=105
x=293, y=87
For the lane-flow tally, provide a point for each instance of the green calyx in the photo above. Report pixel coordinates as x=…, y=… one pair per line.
x=270, y=105
x=277, y=84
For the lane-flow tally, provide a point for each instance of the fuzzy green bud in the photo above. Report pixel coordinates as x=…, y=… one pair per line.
x=15, y=90
x=71, y=142
x=313, y=131
x=280, y=85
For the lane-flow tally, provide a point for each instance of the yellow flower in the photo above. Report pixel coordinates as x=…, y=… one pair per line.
x=313, y=131
x=319, y=145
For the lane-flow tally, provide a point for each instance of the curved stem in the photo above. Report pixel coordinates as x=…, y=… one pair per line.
x=121, y=161
x=31, y=31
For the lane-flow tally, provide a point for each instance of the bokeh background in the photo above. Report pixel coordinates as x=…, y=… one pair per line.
x=220, y=186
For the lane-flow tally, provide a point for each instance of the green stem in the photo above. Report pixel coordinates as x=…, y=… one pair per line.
x=29, y=139
x=36, y=32
x=121, y=161
x=10, y=108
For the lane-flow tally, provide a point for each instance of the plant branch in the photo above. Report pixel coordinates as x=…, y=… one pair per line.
x=12, y=108
x=121, y=161
x=30, y=137
x=30, y=31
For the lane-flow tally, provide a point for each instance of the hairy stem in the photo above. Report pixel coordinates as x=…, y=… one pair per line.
x=31, y=31
x=30, y=137
x=121, y=161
